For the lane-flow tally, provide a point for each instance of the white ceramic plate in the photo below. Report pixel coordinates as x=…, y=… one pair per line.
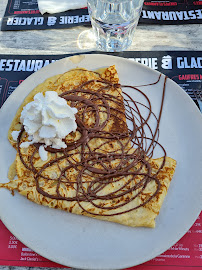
x=82, y=242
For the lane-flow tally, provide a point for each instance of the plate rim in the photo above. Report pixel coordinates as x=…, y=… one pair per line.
x=126, y=60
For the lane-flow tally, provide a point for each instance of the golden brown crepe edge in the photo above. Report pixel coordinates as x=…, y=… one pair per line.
x=142, y=217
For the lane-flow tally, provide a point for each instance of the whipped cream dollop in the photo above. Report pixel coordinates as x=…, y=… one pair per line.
x=47, y=120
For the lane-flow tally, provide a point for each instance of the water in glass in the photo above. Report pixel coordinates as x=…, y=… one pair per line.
x=114, y=22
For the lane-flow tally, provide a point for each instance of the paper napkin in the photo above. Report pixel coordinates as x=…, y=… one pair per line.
x=56, y=6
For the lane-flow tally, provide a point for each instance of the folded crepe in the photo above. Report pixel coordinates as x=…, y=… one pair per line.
x=105, y=171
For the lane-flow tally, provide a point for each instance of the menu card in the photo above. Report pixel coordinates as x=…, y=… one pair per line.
x=25, y=15
x=185, y=68
x=171, y=12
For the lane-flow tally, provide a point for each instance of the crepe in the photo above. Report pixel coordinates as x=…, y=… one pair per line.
x=102, y=173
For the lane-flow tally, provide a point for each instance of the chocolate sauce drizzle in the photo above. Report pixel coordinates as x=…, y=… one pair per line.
x=95, y=170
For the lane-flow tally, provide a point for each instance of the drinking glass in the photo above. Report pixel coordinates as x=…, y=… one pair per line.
x=114, y=22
